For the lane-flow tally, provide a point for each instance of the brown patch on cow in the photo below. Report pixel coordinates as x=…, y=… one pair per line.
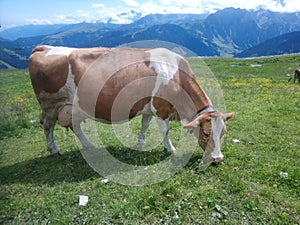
x=129, y=83
x=104, y=62
x=44, y=75
x=188, y=82
x=138, y=107
x=163, y=108
x=113, y=73
x=82, y=59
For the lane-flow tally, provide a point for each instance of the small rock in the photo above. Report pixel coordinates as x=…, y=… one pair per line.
x=284, y=175
x=104, y=181
x=83, y=200
x=175, y=217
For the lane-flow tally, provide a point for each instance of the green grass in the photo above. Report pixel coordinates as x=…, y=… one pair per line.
x=245, y=189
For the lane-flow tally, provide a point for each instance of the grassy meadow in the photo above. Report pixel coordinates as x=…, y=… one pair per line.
x=258, y=182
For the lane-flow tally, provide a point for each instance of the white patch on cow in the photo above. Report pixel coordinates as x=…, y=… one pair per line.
x=217, y=125
x=77, y=114
x=165, y=63
x=145, y=110
x=70, y=88
x=59, y=51
x=70, y=84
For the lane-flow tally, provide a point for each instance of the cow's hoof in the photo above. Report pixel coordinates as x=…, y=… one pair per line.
x=138, y=146
x=170, y=150
x=55, y=154
x=217, y=161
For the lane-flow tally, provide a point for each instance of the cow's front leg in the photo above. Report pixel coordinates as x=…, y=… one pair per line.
x=164, y=129
x=48, y=125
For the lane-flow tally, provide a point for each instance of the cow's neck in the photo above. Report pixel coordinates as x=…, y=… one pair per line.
x=200, y=101
x=201, y=104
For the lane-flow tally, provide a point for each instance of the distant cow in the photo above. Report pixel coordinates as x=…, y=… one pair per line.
x=296, y=76
x=115, y=85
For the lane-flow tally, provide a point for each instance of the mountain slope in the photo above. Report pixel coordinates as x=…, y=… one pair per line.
x=235, y=30
x=283, y=44
x=166, y=32
x=159, y=19
x=12, y=55
x=33, y=30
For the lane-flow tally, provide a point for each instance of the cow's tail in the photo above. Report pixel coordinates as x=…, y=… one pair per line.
x=39, y=48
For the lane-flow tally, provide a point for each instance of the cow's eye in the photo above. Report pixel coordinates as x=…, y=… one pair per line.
x=206, y=134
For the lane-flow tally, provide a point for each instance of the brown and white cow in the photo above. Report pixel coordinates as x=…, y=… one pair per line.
x=296, y=76
x=113, y=85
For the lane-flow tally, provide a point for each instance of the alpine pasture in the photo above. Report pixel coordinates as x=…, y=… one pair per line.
x=258, y=182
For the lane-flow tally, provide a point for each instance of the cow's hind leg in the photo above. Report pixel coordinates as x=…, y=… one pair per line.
x=146, y=119
x=48, y=125
x=70, y=117
x=76, y=128
x=164, y=129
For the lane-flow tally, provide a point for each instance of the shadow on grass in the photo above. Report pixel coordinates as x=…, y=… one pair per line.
x=131, y=167
x=72, y=167
x=69, y=167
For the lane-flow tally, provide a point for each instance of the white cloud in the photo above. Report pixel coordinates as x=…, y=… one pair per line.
x=274, y=5
x=171, y=6
x=77, y=17
x=192, y=3
x=286, y=6
x=122, y=15
x=165, y=2
x=98, y=6
x=132, y=3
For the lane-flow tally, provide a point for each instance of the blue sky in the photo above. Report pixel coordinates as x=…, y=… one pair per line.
x=20, y=12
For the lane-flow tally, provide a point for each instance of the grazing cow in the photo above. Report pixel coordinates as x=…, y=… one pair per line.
x=117, y=84
x=296, y=76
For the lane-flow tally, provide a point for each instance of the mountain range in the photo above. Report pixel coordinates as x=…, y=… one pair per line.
x=227, y=33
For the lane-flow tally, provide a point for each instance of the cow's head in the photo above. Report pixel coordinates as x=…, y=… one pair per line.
x=209, y=128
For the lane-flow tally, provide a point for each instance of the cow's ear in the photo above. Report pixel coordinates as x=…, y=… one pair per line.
x=228, y=116
x=196, y=122
x=192, y=125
